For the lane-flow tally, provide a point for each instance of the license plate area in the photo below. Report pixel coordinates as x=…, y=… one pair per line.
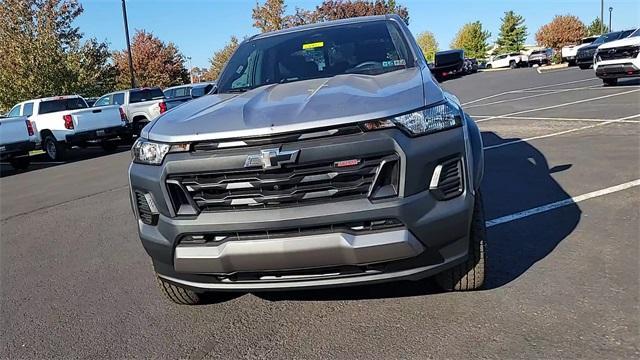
x=100, y=133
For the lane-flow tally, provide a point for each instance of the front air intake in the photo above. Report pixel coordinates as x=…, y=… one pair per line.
x=147, y=210
x=447, y=181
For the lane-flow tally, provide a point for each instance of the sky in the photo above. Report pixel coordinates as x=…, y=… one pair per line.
x=200, y=27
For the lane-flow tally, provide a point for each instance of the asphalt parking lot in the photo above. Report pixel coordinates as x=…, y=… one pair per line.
x=562, y=194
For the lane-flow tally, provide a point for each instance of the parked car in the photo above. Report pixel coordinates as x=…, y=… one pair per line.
x=584, y=57
x=540, y=57
x=327, y=156
x=513, y=60
x=569, y=52
x=447, y=63
x=140, y=105
x=17, y=138
x=618, y=59
x=183, y=93
x=472, y=65
x=65, y=121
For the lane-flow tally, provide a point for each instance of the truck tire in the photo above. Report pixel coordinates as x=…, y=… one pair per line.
x=512, y=64
x=20, y=162
x=178, y=294
x=488, y=66
x=584, y=66
x=469, y=275
x=610, y=82
x=55, y=150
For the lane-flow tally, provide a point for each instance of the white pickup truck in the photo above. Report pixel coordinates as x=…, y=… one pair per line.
x=17, y=138
x=513, y=61
x=140, y=106
x=65, y=121
x=569, y=52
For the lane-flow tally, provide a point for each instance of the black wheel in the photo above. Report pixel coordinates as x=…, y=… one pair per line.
x=55, y=150
x=512, y=65
x=178, y=294
x=610, y=82
x=469, y=275
x=109, y=145
x=584, y=66
x=20, y=162
x=488, y=66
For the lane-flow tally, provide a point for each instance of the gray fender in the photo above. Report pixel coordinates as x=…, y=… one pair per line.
x=477, y=152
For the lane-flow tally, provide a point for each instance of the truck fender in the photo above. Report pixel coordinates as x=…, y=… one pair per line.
x=477, y=152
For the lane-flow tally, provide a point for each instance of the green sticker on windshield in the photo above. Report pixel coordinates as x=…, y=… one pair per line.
x=313, y=45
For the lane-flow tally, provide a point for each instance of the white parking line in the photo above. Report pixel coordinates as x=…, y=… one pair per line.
x=39, y=163
x=560, y=132
x=592, y=87
x=547, y=92
x=559, y=105
x=531, y=88
x=564, y=119
x=561, y=203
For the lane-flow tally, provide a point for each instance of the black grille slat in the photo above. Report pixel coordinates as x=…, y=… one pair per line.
x=291, y=185
x=626, y=52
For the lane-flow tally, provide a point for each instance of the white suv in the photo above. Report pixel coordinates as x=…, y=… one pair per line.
x=618, y=59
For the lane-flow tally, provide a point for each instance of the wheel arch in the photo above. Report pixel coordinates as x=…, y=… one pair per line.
x=477, y=151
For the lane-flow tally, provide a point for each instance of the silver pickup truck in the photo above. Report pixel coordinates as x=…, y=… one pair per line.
x=327, y=156
x=17, y=138
x=140, y=105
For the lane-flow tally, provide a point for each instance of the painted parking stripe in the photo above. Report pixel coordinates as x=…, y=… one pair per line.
x=558, y=105
x=531, y=88
x=628, y=121
x=546, y=93
x=560, y=132
x=561, y=203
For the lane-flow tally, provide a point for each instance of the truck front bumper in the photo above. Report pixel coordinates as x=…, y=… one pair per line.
x=429, y=235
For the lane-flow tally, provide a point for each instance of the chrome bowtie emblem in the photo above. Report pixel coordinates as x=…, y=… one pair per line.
x=271, y=158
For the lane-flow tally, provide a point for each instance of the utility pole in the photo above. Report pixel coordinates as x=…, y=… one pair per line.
x=601, y=16
x=610, y=11
x=190, y=70
x=126, y=32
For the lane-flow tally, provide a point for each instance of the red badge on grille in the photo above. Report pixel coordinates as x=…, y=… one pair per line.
x=346, y=163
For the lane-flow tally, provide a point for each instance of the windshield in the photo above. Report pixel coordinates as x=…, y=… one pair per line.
x=51, y=106
x=607, y=37
x=635, y=33
x=370, y=48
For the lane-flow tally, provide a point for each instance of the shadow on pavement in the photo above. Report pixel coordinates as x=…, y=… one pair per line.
x=517, y=178
x=41, y=161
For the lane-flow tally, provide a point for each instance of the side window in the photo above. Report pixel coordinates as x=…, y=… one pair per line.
x=179, y=92
x=103, y=101
x=27, y=109
x=15, y=111
x=118, y=99
x=169, y=93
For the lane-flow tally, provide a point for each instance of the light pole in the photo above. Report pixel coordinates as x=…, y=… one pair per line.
x=610, y=11
x=126, y=32
x=190, y=70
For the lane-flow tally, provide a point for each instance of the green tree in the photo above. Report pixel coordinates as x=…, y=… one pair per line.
x=269, y=16
x=154, y=62
x=95, y=74
x=597, y=27
x=427, y=42
x=513, y=33
x=343, y=9
x=36, y=38
x=472, y=39
x=220, y=59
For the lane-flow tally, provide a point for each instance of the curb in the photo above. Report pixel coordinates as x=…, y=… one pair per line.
x=493, y=70
x=551, y=68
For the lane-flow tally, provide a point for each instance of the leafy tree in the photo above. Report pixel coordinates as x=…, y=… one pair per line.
x=343, y=9
x=154, y=62
x=36, y=37
x=513, y=33
x=562, y=30
x=94, y=72
x=220, y=59
x=472, y=39
x=597, y=27
x=269, y=16
x=428, y=44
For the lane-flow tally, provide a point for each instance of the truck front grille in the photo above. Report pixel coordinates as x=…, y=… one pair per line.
x=625, y=52
x=291, y=185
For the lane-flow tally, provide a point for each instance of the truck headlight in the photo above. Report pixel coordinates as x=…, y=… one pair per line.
x=441, y=116
x=152, y=153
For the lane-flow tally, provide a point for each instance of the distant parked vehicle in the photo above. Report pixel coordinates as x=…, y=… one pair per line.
x=183, y=93
x=584, y=57
x=90, y=101
x=64, y=121
x=513, y=60
x=140, y=106
x=540, y=57
x=618, y=59
x=17, y=138
x=472, y=65
x=569, y=52
x=447, y=63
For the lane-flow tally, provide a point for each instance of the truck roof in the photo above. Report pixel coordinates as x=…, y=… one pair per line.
x=326, y=24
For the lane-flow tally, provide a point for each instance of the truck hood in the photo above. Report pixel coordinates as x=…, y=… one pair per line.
x=295, y=106
x=622, y=42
